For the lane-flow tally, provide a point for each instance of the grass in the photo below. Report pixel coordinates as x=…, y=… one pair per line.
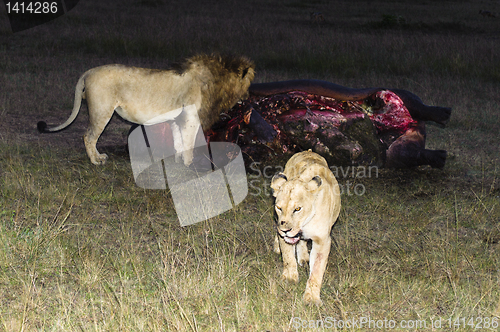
x=90, y=254
x=84, y=248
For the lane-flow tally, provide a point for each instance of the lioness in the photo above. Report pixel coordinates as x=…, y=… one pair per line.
x=307, y=205
x=210, y=82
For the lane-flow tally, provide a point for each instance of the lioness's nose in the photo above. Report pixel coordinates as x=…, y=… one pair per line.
x=283, y=222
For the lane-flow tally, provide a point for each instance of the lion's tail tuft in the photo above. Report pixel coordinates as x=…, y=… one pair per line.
x=42, y=127
x=80, y=86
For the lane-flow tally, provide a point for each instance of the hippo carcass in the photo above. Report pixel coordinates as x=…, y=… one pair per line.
x=371, y=126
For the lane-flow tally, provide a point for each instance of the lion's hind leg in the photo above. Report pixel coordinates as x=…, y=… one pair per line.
x=99, y=117
x=90, y=138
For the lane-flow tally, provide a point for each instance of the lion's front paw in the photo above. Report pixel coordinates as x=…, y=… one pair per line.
x=178, y=158
x=290, y=276
x=187, y=156
x=311, y=298
x=100, y=159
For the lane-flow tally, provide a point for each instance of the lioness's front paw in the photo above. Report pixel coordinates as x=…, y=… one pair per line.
x=290, y=275
x=303, y=260
x=303, y=257
x=302, y=253
x=310, y=298
x=100, y=159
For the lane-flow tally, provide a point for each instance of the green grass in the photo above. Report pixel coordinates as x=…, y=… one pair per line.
x=83, y=248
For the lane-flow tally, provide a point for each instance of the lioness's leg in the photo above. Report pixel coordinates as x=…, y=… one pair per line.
x=317, y=264
x=276, y=245
x=302, y=252
x=290, y=272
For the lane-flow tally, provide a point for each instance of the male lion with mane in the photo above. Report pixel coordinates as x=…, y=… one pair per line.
x=307, y=205
x=212, y=83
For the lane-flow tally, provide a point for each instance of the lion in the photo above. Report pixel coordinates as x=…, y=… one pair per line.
x=307, y=204
x=212, y=83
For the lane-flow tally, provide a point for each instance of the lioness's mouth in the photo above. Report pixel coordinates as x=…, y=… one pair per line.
x=291, y=239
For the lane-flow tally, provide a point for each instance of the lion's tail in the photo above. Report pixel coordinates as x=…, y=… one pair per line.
x=42, y=126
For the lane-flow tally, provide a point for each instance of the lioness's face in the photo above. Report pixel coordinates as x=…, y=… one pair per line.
x=294, y=207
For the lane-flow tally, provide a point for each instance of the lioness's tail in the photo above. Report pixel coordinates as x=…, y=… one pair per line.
x=42, y=126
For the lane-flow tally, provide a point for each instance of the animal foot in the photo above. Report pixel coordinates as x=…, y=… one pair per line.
x=303, y=260
x=187, y=156
x=435, y=158
x=290, y=276
x=310, y=298
x=302, y=253
x=178, y=158
x=100, y=159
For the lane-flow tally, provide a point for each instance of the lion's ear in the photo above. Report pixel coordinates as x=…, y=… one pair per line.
x=277, y=182
x=315, y=183
x=245, y=71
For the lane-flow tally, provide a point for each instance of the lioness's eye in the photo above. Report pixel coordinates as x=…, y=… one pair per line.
x=297, y=209
x=278, y=208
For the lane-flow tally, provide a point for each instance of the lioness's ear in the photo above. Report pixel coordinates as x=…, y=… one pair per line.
x=277, y=182
x=315, y=183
